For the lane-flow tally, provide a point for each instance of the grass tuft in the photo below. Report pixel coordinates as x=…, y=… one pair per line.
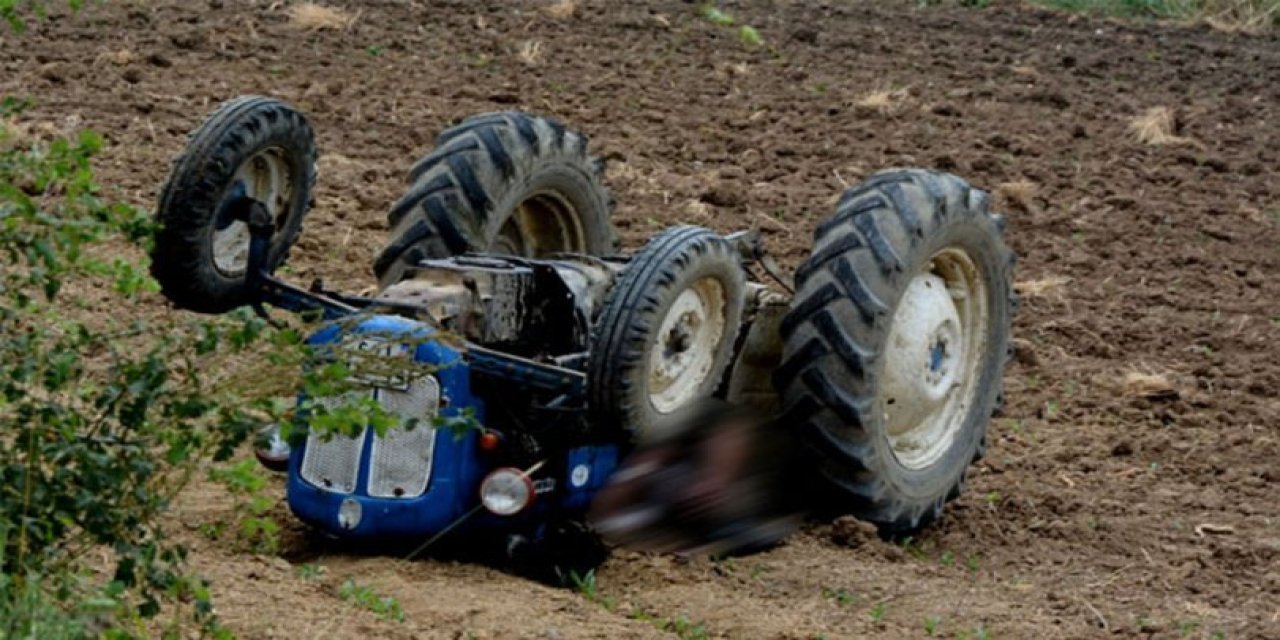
x=881, y=101
x=366, y=598
x=530, y=52
x=562, y=9
x=1157, y=126
x=1040, y=288
x=716, y=16
x=1138, y=384
x=1251, y=16
x=1020, y=194
x=122, y=57
x=314, y=17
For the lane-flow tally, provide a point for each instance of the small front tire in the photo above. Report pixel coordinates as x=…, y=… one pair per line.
x=667, y=331
x=253, y=147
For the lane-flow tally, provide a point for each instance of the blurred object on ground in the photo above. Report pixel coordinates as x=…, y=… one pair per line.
x=718, y=480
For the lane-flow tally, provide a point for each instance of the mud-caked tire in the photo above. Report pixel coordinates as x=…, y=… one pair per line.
x=509, y=183
x=895, y=345
x=267, y=148
x=666, y=332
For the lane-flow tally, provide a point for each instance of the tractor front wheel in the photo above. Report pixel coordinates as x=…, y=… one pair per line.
x=250, y=147
x=667, y=331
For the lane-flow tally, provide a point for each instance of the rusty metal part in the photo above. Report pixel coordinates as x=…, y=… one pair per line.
x=540, y=307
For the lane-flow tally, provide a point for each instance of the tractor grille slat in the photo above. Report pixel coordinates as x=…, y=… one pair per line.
x=400, y=461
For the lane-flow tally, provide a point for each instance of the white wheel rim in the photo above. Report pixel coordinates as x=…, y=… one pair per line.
x=936, y=346
x=684, y=353
x=266, y=179
x=542, y=224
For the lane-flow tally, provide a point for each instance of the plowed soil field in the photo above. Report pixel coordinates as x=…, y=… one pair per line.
x=1132, y=486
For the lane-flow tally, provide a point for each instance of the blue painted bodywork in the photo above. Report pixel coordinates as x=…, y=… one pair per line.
x=458, y=465
x=599, y=463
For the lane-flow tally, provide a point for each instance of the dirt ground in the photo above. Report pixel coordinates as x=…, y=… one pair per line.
x=1132, y=484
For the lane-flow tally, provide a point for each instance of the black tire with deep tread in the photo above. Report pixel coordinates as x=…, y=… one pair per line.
x=464, y=191
x=182, y=259
x=626, y=330
x=883, y=232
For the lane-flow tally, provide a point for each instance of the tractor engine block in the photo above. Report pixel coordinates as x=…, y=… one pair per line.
x=520, y=305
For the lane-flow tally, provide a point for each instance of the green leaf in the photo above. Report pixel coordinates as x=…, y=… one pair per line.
x=716, y=16
x=9, y=13
x=11, y=106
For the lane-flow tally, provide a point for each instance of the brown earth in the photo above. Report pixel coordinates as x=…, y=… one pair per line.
x=1108, y=504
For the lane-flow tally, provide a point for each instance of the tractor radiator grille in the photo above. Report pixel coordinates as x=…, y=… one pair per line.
x=333, y=465
x=400, y=462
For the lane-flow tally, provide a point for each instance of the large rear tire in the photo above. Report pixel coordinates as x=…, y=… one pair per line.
x=896, y=343
x=509, y=183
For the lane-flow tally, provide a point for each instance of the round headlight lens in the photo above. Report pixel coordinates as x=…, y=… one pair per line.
x=506, y=491
x=272, y=450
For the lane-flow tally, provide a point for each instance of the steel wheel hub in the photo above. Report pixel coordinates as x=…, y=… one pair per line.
x=932, y=360
x=265, y=178
x=542, y=224
x=688, y=340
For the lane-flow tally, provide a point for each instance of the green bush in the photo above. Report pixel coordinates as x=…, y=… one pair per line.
x=16, y=12
x=102, y=422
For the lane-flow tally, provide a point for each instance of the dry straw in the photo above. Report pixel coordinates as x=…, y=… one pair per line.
x=562, y=9
x=310, y=16
x=882, y=101
x=1157, y=126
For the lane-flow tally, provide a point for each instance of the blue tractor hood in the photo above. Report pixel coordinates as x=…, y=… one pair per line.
x=350, y=507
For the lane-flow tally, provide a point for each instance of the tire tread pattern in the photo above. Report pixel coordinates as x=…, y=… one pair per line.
x=182, y=260
x=454, y=188
x=838, y=323
x=630, y=314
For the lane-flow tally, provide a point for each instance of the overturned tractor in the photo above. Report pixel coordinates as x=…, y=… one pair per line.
x=502, y=293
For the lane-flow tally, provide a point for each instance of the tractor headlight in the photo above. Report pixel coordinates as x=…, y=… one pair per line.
x=506, y=491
